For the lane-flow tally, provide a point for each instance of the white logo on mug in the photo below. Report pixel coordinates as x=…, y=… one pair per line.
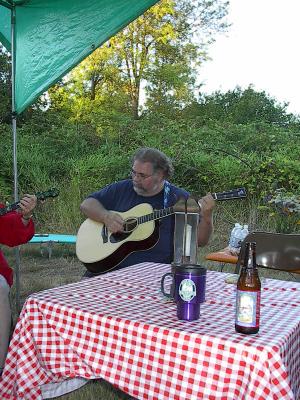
x=187, y=290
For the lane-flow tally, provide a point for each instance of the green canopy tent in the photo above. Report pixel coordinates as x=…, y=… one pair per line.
x=47, y=38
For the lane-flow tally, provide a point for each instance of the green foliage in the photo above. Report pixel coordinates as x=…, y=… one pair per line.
x=284, y=208
x=242, y=107
x=156, y=48
x=85, y=140
x=99, y=169
x=5, y=98
x=83, y=157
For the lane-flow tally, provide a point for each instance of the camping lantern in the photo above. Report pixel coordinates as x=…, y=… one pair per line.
x=185, y=233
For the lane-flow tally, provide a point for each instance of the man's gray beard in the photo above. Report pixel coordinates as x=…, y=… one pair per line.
x=138, y=190
x=142, y=192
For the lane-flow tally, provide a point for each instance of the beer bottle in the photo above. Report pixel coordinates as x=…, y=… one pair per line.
x=248, y=292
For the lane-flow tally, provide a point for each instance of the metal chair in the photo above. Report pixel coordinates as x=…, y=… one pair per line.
x=279, y=251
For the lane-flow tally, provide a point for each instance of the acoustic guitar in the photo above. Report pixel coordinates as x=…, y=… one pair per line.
x=100, y=250
x=39, y=195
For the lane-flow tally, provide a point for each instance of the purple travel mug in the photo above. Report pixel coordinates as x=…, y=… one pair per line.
x=187, y=289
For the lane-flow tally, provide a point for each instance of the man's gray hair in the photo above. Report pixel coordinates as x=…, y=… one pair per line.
x=157, y=158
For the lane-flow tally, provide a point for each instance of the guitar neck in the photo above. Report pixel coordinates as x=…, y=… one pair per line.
x=230, y=195
x=39, y=195
x=10, y=207
x=158, y=214
x=155, y=215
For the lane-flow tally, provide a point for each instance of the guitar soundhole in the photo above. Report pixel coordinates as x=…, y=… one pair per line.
x=129, y=225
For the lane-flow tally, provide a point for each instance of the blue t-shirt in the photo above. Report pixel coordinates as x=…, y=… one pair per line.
x=121, y=197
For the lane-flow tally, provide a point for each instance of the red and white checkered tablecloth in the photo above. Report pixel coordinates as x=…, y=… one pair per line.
x=118, y=326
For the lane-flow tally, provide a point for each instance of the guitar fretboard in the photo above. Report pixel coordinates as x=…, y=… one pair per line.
x=40, y=196
x=10, y=207
x=230, y=195
x=156, y=214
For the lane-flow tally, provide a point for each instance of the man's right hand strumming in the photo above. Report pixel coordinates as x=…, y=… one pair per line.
x=114, y=222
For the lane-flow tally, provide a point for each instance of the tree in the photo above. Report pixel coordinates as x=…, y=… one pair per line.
x=241, y=107
x=95, y=80
x=172, y=75
x=155, y=48
x=171, y=79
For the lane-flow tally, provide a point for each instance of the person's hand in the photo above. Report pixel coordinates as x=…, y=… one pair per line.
x=205, y=227
x=114, y=222
x=27, y=205
x=206, y=204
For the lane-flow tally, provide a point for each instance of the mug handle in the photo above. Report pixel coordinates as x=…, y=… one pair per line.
x=162, y=285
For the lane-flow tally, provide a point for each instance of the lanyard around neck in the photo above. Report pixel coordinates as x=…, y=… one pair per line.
x=167, y=189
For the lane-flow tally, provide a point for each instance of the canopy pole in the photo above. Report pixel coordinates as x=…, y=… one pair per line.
x=14, y=131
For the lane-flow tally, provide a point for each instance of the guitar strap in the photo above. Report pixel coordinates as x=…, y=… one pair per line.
x=167, y=189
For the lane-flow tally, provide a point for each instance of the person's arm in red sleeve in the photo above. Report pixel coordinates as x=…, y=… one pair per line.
x=13, y=231
x=17, y=227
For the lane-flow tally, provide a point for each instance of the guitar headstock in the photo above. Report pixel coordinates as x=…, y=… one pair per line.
x=53, y=192
x=239, y=193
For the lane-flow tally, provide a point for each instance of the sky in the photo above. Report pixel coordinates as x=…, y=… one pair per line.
x=262, y=48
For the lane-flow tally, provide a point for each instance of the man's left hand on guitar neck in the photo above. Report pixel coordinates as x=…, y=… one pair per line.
x=27, y=205
x=205, y=227
x=206, y=204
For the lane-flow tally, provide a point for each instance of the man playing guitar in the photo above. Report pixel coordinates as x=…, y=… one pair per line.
x=150, y=170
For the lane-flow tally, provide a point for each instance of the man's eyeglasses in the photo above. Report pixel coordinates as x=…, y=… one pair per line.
x=138, y=175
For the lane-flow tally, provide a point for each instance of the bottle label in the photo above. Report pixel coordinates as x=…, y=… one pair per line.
x=247, y=308
x=187, y=290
